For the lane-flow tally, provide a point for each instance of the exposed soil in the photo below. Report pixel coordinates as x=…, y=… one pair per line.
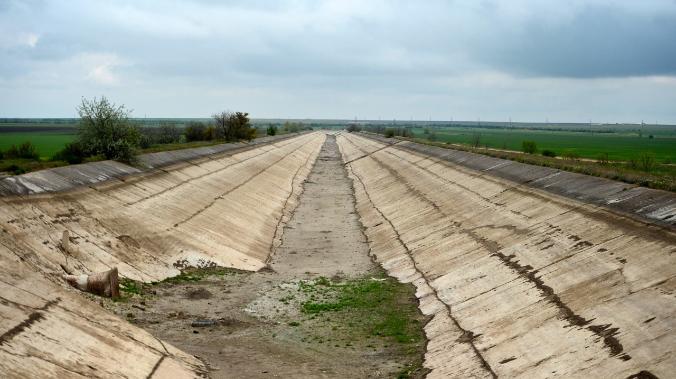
x=261, y=325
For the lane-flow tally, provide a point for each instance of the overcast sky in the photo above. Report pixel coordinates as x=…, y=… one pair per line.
x=566, y=61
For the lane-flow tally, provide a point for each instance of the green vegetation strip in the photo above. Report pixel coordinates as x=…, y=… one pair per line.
x=618, y=145
x=372, y=312
x=46, y=143
x=130, y=287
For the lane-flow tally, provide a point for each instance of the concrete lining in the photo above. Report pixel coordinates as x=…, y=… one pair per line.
x=650, y=205
x=519, y=281
x=221, y=209
x=71, y=177
x=525, y=271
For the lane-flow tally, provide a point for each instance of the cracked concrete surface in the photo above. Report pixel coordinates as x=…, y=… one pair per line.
x=518, y=281
x=321, y=238
x=220, y=210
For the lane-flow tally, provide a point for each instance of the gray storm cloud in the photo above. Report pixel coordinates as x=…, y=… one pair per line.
x=574, y=60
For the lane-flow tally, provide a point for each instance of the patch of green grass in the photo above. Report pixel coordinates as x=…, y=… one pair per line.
x=620, y=145
x=374, y=313
x=20, y=166
x=130, y=286
x=383, y=306
x=182, y=278
x=197, y=274
x=46, y=143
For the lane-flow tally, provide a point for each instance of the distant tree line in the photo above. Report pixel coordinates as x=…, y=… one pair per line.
x=106, y=130
x=387, y=131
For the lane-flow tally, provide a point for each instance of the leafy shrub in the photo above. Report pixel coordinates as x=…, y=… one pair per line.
x=14, y=169
x=570, y=155
x=548, y=153
x=195, y=131
x=105, y=129
x=529, y=147
x=210, y=133
x=353, y=128
x=122, y=150
x=145, y=141
x=25, y=151
x=389, y=133
x=168, y=133
x=292, y=127
x=234, y=126
x=271, y=130
x=476, y=140
x=165, y=133
x=2, y=155
x=72, y=153
x=645, y=162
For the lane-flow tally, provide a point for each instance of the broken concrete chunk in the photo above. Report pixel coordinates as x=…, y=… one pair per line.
x=102, y=283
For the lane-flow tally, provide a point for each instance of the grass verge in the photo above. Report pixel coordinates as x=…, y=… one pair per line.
x=662, y=177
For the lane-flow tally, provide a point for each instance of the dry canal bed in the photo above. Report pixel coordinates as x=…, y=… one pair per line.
x=321, y=308
x=501, y=270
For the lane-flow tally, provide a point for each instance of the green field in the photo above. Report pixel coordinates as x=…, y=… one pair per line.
x=621, y=142
x=47, y=143
x=621, y=146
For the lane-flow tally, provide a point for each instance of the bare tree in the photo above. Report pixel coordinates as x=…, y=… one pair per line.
x=223, y=124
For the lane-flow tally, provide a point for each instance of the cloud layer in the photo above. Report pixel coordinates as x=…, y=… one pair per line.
x=606, y=60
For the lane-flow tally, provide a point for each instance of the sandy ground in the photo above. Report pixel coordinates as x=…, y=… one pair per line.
x=258, y=330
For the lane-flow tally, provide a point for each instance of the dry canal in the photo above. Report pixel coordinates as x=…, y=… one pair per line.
x=512, y=280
